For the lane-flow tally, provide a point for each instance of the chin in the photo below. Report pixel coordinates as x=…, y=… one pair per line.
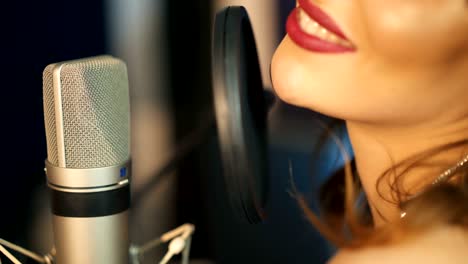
x=287, y=79
x=296, y=83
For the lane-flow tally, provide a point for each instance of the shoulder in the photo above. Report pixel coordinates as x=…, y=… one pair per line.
x=441, y=245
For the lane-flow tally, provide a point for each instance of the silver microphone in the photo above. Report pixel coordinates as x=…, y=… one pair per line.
x=87, y=123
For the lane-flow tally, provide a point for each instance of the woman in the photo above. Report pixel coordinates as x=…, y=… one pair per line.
x=397, y=72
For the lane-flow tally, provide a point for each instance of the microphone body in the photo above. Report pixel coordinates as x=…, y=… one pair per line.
x=86, y=111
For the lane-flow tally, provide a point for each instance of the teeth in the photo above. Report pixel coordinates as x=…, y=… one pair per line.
x=332, y=38
x=311, y=27
x=323, y=33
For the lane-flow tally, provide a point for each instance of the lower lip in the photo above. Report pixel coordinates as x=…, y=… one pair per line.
x=310, y=42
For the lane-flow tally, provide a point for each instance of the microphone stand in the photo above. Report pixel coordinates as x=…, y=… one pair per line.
x=179, y=240
x=47, y=259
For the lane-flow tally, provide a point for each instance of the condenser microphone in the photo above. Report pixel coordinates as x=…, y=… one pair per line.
x=87, y=122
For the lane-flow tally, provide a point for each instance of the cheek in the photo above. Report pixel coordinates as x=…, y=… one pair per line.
x=415, y=32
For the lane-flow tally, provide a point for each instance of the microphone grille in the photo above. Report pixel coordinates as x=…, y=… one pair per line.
x=86, y=112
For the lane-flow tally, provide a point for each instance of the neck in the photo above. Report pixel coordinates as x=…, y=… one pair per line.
x=378, y=148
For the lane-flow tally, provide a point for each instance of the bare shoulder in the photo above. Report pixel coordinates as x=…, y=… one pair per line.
x=441, y=245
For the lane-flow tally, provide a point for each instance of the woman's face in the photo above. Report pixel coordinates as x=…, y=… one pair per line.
x=408, y=61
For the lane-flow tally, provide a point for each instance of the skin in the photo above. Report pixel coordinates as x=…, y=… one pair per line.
x=402, y=92
x=439, y=245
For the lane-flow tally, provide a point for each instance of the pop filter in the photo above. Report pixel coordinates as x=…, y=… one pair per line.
x=241, y=113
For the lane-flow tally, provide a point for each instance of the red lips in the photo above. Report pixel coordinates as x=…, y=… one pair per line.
x=311, y=42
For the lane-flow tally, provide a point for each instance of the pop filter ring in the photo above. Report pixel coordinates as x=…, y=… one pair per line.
x=241, y=113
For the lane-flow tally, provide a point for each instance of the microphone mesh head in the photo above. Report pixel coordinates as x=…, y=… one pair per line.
x=86, y=111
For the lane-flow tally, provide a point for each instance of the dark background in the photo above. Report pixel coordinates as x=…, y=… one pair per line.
x=35, y=34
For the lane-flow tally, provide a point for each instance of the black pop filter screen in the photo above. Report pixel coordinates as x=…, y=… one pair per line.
x=240, y=113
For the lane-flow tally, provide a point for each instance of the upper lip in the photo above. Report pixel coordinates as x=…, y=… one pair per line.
x=321, y=17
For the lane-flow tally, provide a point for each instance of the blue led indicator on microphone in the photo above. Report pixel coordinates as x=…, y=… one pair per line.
x=123, y=172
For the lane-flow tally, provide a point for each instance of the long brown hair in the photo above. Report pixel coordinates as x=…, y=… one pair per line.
x=346, y=224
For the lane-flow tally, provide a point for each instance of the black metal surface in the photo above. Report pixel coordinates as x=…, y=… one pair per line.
x=90, y=204
x=240, y=113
